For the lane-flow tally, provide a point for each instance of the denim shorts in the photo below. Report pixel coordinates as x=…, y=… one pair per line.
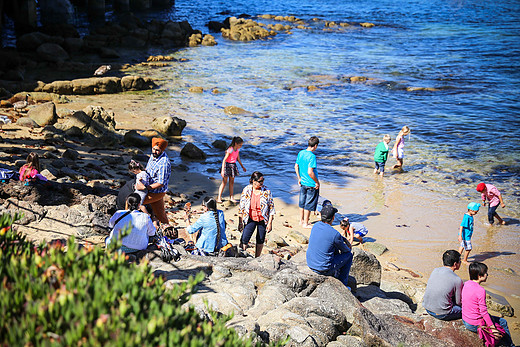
x=380, y=166
x=308, y=198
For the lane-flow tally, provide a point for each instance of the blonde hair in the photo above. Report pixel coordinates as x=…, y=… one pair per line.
x=387, y=138
x=405, y=130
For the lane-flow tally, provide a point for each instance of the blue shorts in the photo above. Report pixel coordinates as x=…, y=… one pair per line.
x=308, y=198
x=380, y=166
x=466, y=244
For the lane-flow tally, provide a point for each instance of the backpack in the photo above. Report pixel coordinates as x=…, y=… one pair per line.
x=6, y=175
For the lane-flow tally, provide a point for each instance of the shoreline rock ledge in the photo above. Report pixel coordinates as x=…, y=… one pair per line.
x=273, y=298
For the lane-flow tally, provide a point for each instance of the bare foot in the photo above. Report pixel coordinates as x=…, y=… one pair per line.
x=382, y=174
x=503, y=222
x=465, y=262
x=376, y=171
x=306, y=226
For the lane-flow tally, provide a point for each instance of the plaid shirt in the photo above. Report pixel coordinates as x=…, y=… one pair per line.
x=266, y=203
x=159, y=170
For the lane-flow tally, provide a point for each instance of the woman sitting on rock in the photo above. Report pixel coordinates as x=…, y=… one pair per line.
x=256, y=212
x=140, y=223
x=30, y=171
x=212, y=228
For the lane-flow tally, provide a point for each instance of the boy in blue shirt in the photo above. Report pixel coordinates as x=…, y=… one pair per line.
x=466, y=230
x=307, y=173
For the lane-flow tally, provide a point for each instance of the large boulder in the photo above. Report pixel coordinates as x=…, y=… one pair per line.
x=366, y=269
x=52, y=52
x=168, y=125
x=59, y=87
x=192, y=152
x=44, y=114
x=96, y=85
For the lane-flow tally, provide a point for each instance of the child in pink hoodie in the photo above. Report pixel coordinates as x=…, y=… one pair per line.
x=474, y=307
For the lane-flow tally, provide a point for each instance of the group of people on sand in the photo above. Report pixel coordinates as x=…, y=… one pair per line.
x=447, y=297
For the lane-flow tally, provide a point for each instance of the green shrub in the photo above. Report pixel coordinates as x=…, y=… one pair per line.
x=84, y=296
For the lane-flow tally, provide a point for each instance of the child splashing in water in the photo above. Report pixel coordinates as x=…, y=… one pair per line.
x=140, y=175
x=229, y=167
x=398, y=150
x=30, y=171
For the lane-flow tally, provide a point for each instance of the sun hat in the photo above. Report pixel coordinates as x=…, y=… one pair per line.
x=473, y=206
x=481, y=186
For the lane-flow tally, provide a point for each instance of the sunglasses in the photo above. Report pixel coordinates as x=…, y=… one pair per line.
x=260, y=180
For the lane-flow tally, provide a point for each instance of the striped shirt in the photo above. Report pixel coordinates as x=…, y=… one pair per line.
x=159, y=170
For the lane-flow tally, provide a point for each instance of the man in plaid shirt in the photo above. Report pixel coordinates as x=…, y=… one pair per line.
x=159, y=169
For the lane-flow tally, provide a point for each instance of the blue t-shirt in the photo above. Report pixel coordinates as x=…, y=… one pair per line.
x=324, y=243
x=467, y=227
x=305, y=160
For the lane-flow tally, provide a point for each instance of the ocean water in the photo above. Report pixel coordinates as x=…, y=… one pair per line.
x=465, y=131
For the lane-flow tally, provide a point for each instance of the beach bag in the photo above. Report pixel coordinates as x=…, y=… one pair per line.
x=491, y=335
x=6, y=175
x=168, y=252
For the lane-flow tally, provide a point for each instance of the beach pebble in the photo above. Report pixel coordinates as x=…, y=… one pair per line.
x=196, y=90
x=70, y=154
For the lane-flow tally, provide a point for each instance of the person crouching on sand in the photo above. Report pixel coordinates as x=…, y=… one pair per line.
x=491, y=193
x=355, y=231
x=466, y=230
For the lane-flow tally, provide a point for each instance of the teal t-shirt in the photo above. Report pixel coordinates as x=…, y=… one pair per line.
x=305, y=160
x=381, y=153
x=467, y=227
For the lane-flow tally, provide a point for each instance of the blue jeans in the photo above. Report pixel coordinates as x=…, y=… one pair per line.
x=340, y=268
x=506, y=340
x=249, y=229
x=492, y=211
x=380, y=166
x=308, y=198
x=455, y=313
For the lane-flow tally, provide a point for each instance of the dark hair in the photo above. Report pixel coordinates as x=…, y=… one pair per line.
x=450, y=257
x=236, y=140
x=134, y=165
x=211, y=204
x=255, y=176
x=313, y=141
x=133, y=200
x=477, y=269
x=344, y=223
x=34, y=161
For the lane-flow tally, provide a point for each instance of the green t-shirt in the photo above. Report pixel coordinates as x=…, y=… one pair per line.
x=381, y=154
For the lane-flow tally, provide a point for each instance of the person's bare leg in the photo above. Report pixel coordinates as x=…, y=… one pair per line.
x=302, y=214
x=376, y=171
x=466, y=255
x=258, y=250
x=221, y=189
x=306, y=215
x=500, y=220
x=399, y=164
x=231, y=186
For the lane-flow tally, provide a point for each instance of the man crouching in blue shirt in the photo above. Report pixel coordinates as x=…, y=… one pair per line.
x=329, y=252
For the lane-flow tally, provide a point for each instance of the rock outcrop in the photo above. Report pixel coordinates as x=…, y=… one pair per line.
x=168, y=125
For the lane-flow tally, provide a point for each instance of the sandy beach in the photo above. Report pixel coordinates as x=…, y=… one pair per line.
x=416, y=225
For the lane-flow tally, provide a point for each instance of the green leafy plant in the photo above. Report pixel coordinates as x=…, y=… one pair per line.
x=85, y=296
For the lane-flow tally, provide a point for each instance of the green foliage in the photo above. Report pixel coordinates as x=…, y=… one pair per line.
x=84, y=296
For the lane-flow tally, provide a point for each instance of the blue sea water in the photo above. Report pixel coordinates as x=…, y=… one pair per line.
x=465, y=131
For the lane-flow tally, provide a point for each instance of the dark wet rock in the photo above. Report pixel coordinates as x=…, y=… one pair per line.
x=70, y=154
x=31, y=41
x=168, y=125
x=215, y=26
x=52, y=52
x=192, y=152
x=220, y=144
x=133, y=138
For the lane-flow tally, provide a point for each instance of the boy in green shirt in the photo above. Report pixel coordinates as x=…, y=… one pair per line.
x=381, y=155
